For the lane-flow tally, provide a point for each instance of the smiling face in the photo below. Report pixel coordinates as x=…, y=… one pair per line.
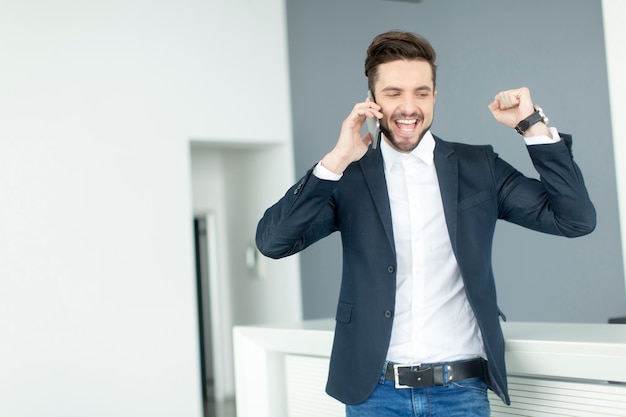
x=405, y=91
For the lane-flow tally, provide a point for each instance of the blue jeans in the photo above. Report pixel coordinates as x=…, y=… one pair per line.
x=466, y=398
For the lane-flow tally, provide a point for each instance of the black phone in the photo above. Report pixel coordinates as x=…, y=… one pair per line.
x=373, y=124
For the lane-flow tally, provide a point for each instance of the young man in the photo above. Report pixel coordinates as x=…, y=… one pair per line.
x=417, y=323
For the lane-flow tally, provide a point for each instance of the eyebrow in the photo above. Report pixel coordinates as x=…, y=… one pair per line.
x=421, y=88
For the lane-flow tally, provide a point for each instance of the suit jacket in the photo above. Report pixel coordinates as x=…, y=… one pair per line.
x=477, y=188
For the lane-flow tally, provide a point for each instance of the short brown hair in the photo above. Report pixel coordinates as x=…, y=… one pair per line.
x=397, y=45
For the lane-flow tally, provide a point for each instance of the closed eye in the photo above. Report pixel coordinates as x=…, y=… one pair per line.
x=423, y=92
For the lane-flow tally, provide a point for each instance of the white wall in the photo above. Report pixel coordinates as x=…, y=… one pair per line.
x=98, y=101
x=614, y=13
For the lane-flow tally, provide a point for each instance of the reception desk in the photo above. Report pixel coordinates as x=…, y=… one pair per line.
x=554, y=370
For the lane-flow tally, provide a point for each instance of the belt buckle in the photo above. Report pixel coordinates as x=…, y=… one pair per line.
x=396, y=373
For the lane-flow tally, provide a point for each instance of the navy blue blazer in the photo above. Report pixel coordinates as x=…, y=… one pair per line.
x=477, y=188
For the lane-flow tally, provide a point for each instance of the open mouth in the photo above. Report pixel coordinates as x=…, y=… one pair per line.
x=407, y=125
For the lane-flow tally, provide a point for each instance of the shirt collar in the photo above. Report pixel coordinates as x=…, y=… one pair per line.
x=423, y=152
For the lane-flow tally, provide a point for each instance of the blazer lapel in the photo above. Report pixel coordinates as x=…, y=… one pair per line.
x=446, y=164
x=374, y=173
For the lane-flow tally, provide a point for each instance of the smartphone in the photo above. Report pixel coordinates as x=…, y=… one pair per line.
x=373, y=124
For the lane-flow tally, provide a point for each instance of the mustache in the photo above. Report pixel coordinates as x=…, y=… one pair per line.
x=404, y=115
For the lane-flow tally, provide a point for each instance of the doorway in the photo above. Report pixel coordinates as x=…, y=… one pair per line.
x=231, y=187
x=204, y=307
x=211, y=315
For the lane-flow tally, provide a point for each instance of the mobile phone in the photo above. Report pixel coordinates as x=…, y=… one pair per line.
x=373, y=124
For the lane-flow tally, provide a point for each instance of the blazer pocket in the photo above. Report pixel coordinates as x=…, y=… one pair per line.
x=344, y=313
x=474, y=200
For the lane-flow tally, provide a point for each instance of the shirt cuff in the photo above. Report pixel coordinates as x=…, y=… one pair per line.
x=543, y=139
x=324, y=174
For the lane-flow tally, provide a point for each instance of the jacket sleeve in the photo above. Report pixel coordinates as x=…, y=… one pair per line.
x=558, y=203
x=304, y=215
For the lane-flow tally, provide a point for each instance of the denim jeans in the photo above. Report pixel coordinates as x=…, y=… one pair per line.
x=466, y=398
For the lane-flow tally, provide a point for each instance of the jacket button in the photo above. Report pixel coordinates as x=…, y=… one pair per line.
x=388, y=314
x=390, y=269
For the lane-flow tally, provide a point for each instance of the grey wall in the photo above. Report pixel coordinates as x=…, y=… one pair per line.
x=555, y=48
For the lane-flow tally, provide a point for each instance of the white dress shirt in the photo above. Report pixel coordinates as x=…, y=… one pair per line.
x=433, y=320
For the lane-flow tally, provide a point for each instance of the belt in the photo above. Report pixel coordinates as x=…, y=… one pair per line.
x=418, y=376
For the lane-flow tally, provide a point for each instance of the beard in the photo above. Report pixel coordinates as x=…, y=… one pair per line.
x=403, y=147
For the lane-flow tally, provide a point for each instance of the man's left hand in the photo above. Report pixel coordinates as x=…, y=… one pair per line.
x=512, y=106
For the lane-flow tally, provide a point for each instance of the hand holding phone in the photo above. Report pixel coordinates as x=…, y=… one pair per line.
x=373, y=125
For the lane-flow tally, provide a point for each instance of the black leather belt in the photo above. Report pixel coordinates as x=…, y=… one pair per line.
x=418, y=376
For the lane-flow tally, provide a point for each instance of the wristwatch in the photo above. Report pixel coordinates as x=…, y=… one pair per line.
x=536, y=117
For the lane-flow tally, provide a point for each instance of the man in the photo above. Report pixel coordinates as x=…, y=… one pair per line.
x=417, y=322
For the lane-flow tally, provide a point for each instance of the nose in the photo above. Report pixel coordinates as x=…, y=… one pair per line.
x=408, y=106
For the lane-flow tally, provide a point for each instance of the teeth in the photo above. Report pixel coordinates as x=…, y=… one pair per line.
x=406, y=122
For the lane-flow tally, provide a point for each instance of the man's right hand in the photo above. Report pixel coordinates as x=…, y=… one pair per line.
x=351, y=146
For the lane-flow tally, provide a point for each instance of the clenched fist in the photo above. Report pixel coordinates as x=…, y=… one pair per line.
x=512, y=106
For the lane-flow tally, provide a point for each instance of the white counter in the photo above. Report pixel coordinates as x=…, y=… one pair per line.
x=554, y=369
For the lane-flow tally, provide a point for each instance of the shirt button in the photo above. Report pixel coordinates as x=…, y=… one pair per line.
x=388, y=314
x=390, y=269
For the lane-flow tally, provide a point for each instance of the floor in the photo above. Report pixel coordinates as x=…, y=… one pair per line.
x=220, y=409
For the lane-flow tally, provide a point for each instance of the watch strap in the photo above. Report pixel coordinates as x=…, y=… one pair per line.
x=536, y=117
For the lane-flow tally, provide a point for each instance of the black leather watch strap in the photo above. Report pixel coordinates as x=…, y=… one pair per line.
x=536, y=117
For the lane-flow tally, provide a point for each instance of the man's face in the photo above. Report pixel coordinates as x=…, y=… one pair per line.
x=406, y=93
